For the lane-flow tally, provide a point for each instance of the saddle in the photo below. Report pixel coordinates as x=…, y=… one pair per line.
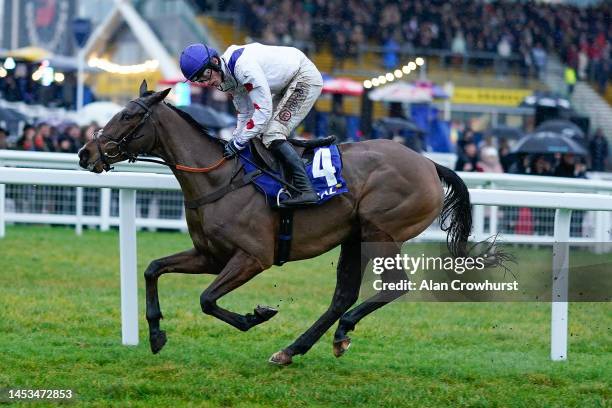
x=304, y=149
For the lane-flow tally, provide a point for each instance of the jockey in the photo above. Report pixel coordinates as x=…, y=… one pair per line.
x=252, y=74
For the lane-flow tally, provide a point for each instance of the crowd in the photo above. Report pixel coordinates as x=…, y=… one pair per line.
x=528, y=30
x=491, y=155
x=43, y=137
x=17, y=85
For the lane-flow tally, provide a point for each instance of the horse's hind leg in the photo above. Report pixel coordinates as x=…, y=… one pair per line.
x=347, y=291
x=352, y=317
x=190, y=262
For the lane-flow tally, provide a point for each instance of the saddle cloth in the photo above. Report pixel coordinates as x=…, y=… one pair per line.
x=324, y=170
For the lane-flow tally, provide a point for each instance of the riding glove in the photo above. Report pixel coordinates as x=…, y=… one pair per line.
x=231, y=149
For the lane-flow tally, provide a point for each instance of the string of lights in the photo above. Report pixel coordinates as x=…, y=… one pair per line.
x=397, y=74
x=108, y=66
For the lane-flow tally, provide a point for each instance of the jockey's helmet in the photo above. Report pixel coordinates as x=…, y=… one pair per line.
x=196, y=58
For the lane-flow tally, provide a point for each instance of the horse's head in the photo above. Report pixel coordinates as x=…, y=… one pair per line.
x=129, y=133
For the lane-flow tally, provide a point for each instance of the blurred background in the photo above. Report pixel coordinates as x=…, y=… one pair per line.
x=480, y=86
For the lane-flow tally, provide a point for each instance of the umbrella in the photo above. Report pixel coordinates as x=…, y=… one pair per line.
x=342, y=86
x=562, y=126
x=548, y=142
x=506, y=132
x=401, y=92
x=547, y=99
x=99, y=112
x=209, y=117
x=11, y=115
x=396, y=125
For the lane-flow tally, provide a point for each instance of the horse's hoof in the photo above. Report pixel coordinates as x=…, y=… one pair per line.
x=280, y=358
x=265, y=312
x=158, y=341
x=341, y=346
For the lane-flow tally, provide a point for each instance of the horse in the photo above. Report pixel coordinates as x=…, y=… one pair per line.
x=394, y=195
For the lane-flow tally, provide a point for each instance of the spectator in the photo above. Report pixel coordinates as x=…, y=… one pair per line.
x=489, y=161
x=390, y=54
x=520, y=165
x=26, y=141
x=468, y=159
x=598, y=148
x=570, y=79
x=540, y=59
x=3, y=138
x=505, y=158
x=566, y=167
x=42, y=139
x=540, y=166
x=87, y=133
x=504, y=52
x=458, y=47
x=337, y=122
x=69, y=140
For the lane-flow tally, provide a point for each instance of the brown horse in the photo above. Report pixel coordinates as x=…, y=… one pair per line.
x=394, y=195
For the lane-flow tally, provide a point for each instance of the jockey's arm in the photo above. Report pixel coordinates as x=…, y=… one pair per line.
x=244, y=111
x=258, y=99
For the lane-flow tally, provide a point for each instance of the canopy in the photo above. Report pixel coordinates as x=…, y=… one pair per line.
x=406, y=92
x=99, y=112
x=342, y=86
x=403, y=92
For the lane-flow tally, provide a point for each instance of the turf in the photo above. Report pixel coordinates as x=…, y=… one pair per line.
x=60, y=328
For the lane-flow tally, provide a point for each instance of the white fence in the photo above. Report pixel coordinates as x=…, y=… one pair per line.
x=128, y=183
x=99, y=208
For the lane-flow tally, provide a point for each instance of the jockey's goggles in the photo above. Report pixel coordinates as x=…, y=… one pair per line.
x=203, y=75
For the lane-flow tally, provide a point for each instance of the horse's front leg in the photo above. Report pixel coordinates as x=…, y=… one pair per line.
x=239, y=270
x=190, y=262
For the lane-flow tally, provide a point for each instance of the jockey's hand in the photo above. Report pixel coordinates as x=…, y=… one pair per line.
x=231, y=149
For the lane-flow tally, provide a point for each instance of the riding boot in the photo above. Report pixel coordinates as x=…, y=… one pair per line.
x=294, y=166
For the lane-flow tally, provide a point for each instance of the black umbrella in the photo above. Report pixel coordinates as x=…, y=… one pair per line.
x=548, y=142
x=548, y=99
x=397, y=125
x=506, y=132
x=11, y=115
x=563, y=127
x=209, y=117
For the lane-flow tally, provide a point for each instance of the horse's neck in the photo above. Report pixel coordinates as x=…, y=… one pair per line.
x=181, y=143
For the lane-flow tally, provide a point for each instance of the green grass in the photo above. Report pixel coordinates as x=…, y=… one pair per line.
x=60, y=328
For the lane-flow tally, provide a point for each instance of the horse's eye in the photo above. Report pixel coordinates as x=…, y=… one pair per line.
x=126, y=116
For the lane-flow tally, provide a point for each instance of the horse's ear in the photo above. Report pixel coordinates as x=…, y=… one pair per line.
x=157, y=97
x=143, y=87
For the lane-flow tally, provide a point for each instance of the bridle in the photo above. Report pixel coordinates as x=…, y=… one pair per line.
x=122, y=149
x=123, y=143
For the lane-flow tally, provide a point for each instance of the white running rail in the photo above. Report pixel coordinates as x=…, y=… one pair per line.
x=128, y=183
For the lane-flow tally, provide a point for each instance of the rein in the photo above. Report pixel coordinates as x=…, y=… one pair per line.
x=131, y=157
x=122, y=148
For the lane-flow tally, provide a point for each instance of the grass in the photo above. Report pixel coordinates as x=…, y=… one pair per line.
x=60, y=328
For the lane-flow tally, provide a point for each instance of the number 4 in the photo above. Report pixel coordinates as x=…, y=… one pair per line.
x=322, y=166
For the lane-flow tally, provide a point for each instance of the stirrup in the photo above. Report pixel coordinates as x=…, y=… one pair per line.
x=283, y=190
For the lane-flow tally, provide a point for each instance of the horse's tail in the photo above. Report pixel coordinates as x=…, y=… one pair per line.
x=456, y=221
x=456, y=214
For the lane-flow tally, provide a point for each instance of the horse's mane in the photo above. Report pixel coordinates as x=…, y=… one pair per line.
x=187, y=117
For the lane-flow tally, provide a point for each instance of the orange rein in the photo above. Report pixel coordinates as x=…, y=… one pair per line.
x=200, y=169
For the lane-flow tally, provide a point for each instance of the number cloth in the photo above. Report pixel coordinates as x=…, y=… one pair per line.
x=325, y=173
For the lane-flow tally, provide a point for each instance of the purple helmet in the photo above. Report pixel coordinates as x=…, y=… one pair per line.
x=196, y=58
